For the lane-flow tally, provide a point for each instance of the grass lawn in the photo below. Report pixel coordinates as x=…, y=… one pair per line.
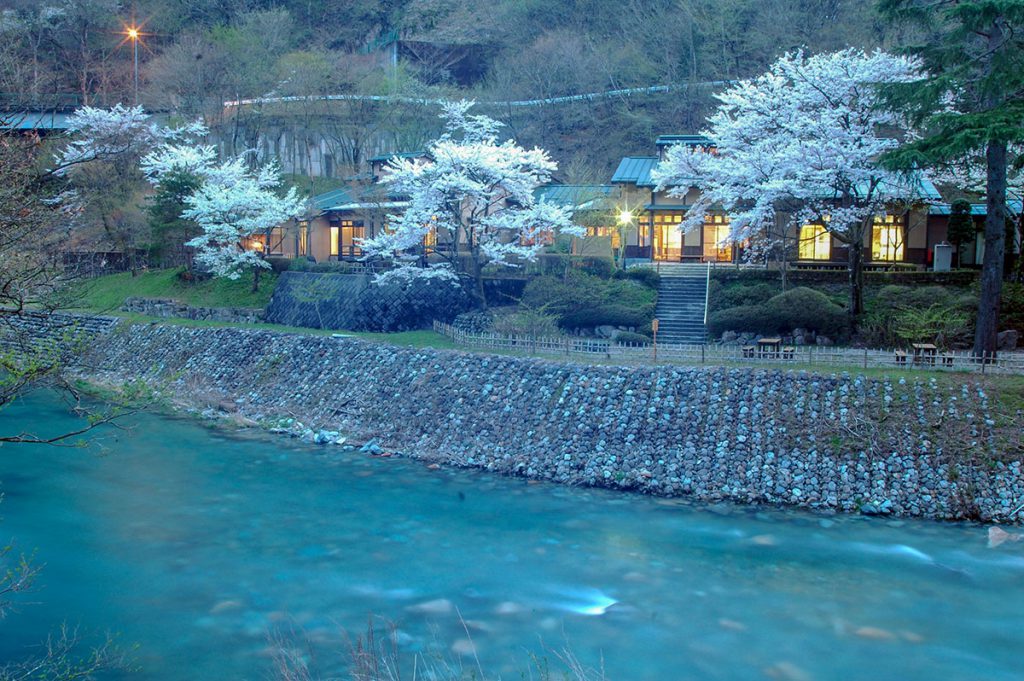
x=107, y=294
x=406, y=339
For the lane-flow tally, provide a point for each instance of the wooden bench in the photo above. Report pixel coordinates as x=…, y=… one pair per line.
x=901, y=357
x=748, y=351
x=788, y=352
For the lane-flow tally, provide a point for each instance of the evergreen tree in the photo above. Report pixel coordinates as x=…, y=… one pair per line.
x=971, y=101
x=960, y=231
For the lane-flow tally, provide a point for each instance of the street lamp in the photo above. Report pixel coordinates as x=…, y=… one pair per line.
x=133, y=34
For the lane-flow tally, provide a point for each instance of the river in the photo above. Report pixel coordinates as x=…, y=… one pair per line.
x=200, y=547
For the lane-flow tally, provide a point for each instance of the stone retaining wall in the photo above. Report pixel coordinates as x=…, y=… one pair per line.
x=166, y=307
x=825, y=442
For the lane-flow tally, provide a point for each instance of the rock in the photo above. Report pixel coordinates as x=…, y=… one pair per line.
x=874, y=633
x=787, y=671
x=998, y=536
x=729, y=336
x=731, y=625
x=824, y=341
x=509, y=608
x=1007, y=340
x=605, y=331
x=438, y=606
x=225, y=606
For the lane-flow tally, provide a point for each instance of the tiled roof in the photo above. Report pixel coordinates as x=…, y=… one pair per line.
x=635, y=170
x=977, y=209
x=689, y=140
x=579, y=196
x=332, y=199
x=34, y=121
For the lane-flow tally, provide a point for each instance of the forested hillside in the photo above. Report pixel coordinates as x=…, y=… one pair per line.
x=196, y=54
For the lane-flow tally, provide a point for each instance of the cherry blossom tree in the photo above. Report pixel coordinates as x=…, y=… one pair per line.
x=801, y=144
x=103, y=134
x=231, y=204
x=474, y=197
x=101, y=165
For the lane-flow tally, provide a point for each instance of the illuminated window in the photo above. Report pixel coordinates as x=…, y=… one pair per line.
x=344, y=239
x=612, y=232
x=815, y=242
x=668, y=239
x=717, y=244
x=302, y=247
x=887, y=238
x=276, y=246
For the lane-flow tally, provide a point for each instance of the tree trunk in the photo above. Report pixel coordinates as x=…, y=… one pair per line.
x=856, y=302
x=255, y=279
x=478, y=282
x=995, y=244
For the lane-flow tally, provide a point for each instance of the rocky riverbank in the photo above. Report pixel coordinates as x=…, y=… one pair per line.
x=845, y=443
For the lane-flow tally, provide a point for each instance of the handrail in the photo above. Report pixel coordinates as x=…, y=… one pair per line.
x=707, y=291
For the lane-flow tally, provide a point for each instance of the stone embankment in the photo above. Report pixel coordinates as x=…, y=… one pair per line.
x=839, y=442
x=166, y=307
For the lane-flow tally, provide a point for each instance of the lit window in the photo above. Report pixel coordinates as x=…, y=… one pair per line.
x=276, y=241
x=717, y=244
x=815, y=242
x=334, y=241
x=887, y=238
x=303, y=247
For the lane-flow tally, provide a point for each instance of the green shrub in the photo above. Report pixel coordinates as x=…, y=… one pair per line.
x=630, y=338
x=805, y=308
x=279, y=264
x=604, y=315
x=603, y=267
x=742, y=318
x=562, y=295
x=939, y=324
x=899, y=315
x=723, y=296
x=1011, y=309
x=798, y=308
x=647, y=276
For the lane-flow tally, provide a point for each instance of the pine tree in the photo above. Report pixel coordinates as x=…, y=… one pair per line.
x=961, y=226
x=972, y=101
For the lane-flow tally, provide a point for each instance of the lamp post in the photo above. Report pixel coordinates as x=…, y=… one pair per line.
x=133, y=35
x=625, y=221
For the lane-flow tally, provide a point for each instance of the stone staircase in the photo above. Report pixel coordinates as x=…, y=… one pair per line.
x=681, y=300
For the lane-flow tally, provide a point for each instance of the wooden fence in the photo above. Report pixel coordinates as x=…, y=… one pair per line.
x=572, y=347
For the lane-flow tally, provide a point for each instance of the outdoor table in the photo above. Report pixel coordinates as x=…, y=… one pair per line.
x=924, y=353
x=768, y=347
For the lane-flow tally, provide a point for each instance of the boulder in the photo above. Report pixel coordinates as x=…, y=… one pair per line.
x=729, y=336
x=605, y=331
x=1007, y=340
x=824, y=340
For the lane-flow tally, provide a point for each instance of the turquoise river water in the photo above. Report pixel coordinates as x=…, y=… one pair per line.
x=200, y=547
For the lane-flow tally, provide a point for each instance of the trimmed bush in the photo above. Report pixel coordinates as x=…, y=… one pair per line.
x=604, y=315
x=798, y=308
x=279, y=264
x=630, y=338
x=724, y=296
x=645, y=275
x=743, y=318
x=804, y=308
